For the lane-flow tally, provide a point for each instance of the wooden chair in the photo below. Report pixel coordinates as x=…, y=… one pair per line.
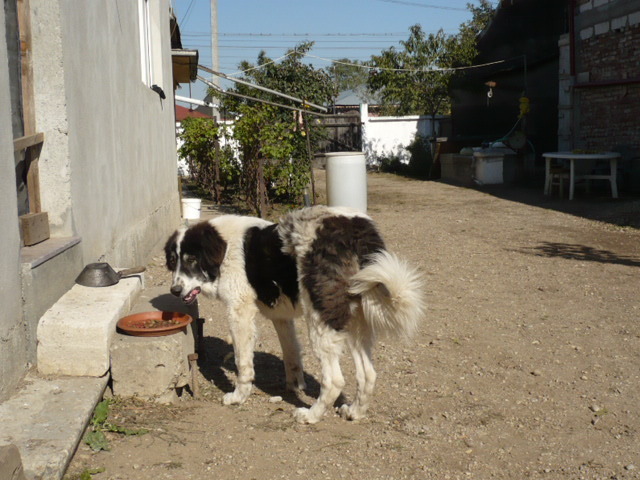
x=557, y=175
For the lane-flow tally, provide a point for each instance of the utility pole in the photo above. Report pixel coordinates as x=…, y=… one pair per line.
x=215, y=54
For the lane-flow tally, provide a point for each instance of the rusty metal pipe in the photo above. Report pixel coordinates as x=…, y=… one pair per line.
x=193, y=365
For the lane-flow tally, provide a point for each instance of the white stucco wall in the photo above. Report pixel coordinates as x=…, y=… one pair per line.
x=108, y=165
x=386, y=137
x=108, y=162
x=12, y=338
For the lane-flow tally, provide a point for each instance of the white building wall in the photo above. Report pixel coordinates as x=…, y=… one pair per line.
x=12, y=337
x=108, y=162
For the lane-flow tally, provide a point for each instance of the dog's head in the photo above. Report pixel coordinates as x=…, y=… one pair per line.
x=194, y=255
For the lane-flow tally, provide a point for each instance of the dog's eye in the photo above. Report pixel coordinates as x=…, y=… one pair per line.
x=172, y=259
x=190, y=259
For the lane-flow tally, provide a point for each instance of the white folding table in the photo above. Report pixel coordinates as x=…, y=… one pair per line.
x=581, y=157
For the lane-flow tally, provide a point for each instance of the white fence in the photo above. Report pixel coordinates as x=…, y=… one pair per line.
x=388, y=137
x=382, y=137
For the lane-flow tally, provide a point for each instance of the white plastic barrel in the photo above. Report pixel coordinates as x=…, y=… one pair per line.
x=347, y=180
x=191, y=208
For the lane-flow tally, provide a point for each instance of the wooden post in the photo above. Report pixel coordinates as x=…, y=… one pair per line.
x=313, y=183
x=261, y=189
x=28, y=106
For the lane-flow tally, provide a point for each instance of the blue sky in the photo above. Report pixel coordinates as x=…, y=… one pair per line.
x=354, y=29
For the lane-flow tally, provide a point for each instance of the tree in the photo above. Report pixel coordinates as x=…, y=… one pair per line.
x=471, y=29
x=415, y=79
x=349, y=75
x=410, y=80
x=212, y=165
x=275, y=149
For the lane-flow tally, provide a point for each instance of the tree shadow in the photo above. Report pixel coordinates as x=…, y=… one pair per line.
x=216, y=358
x=581, y=253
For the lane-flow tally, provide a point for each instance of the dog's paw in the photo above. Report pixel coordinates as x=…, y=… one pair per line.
x=350, y=412
x=304, y=415
x=233, y=398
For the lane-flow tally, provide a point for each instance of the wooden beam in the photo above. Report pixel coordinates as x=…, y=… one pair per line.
x=24, y=25
x=23, y=143
x=28, y=103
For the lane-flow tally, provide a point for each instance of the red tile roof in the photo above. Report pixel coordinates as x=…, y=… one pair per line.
x=184, y=112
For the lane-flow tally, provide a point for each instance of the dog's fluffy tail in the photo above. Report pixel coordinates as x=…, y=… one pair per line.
x=391, y=293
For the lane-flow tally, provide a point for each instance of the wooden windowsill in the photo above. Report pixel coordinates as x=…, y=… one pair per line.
x=38, y=254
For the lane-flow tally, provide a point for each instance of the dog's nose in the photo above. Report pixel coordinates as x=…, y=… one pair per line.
x=176, y=290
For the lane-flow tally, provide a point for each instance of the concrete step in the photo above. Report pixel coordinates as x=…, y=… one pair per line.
x=46, y=420
x=47, y=417
x=75, y=334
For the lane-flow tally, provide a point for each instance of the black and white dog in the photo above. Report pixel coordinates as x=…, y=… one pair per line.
x=326, y=264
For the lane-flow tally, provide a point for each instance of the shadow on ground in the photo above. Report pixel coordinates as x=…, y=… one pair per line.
x=581, y=253
x=171, y=303
x=216, y=359
x=595, y=205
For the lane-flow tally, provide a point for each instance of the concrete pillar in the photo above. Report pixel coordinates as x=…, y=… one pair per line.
x=565, y=95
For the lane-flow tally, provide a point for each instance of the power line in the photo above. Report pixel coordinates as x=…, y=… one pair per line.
x=187, y=13
x=317, y=47
x=411, y=70
x=244, y=37
x=423, y=5
x=308, y=34
x=426, y=5
x=284, y=41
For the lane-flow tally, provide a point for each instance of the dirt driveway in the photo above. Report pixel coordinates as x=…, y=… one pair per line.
x=527, y=365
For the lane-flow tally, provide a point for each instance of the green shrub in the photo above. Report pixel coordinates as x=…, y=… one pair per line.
x=392, y=164
x=421, y=161
x=212, y=163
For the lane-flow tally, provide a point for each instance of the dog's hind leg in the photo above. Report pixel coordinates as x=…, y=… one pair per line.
x=327, y=345
x=365, y=377
x=243, y=333
x=291, y=356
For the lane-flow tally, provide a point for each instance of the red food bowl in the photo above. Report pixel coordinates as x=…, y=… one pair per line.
x=154, y=324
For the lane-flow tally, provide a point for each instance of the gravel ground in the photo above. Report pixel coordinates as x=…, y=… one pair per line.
x=526, y=366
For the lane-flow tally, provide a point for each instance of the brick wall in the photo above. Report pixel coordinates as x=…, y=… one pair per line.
x=607, y=51
x=609, y=117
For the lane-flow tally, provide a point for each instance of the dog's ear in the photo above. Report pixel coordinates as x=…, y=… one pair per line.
x=171, y=251
x=213, y=251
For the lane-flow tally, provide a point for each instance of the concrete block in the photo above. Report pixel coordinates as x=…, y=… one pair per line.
x=457, y=168
x=619, y=23
x=602, y=28
x=583, y=77
x=152, y=368
x=586, y=33
x=49, y=270
x=586, y=6
x=75, y=334
x=11, y=463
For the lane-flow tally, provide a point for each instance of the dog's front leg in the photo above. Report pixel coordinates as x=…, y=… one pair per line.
x=243, y=333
